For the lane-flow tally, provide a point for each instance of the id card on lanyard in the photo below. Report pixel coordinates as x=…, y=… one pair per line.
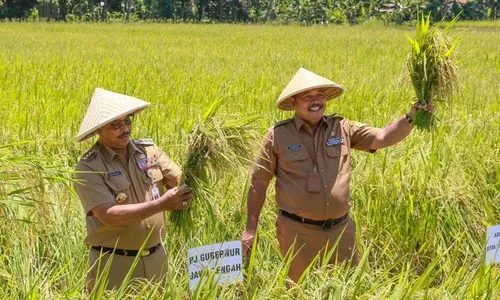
x=314, y=177
x=313, y=182
x=156, y=192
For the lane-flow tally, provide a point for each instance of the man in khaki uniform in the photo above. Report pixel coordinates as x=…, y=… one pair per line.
x=125, y=186
x=310, y=155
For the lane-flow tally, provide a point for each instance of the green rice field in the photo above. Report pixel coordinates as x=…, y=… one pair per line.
x=422, y=207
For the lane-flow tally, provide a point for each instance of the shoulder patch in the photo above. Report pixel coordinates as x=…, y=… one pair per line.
x=334, y=116
x=144, y=142
x=356, y=124
x=90, y=154
x=283, y=122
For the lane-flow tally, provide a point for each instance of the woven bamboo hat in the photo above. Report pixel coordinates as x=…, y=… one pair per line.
x=306, y=80
x=104, y=108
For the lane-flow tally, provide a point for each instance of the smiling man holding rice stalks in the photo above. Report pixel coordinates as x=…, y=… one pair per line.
x=125, y=186
x=310, y=156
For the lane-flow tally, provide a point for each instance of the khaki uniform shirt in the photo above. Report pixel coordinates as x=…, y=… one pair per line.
x=103, y=175
x=289, y=152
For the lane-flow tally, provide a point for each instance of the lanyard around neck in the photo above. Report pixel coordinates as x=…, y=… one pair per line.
x=315, y=147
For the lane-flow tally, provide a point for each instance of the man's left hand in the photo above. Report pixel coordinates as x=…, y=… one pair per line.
x=418, y=106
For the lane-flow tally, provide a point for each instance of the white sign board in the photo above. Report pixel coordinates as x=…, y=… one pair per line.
x=492, y=244
x=225, y=258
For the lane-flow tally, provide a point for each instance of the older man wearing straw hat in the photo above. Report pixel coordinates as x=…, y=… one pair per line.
x=310, y=156
x=124, y=186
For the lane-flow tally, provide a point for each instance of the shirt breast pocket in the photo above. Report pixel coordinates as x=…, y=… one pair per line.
x=153, y=175
x=153, y=185
x=338, y=159
x=296, y=156
x=119, y=185
x=296, y=163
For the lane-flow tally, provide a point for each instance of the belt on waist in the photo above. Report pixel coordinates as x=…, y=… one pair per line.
x=323, y=224
x=144, y=252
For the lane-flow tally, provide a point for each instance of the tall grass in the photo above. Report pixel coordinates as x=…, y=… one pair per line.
x=421, y=207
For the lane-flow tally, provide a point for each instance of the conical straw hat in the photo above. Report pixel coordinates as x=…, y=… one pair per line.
x=306, y=80
x=104, y=108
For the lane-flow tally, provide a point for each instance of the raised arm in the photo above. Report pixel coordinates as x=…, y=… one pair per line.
x=397, y=131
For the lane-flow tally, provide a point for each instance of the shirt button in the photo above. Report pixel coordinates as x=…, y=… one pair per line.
x=325, y=186
x=295, y=157
x=327, y=204
x=338, y=151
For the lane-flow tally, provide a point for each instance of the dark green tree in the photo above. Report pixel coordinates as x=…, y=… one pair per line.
x=16, y=9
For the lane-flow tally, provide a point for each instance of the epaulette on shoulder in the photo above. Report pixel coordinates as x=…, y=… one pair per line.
x=335, y=116
x=91, y=153
x=356, y=124
x=283, y=122
x=144, y=142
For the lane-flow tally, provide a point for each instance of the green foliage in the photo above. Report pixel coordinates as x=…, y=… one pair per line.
x=421, y=207
x=16, y=9
x=34, y=14
x=336, y=16
x=306, y=12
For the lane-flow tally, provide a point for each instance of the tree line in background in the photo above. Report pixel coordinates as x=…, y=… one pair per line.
x=278, y=11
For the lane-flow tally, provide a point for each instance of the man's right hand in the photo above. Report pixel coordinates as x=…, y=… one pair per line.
x=174, y=198
x=247, y=239
x=255, y=201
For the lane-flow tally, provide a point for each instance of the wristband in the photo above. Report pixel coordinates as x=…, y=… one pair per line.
x=408, y=119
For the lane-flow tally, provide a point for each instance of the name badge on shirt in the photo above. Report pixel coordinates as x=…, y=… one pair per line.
x=334, y=141
x=113, y=174
x=156, y=192
x=293, y=147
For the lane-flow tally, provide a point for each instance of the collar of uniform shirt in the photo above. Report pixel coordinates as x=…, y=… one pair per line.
x=299, y=122
x=109, y=154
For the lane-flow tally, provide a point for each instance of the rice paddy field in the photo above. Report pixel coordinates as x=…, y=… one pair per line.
x=422, y=207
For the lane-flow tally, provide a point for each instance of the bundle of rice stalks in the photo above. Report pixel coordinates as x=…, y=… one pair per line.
x=432, y=68
x=215, y=145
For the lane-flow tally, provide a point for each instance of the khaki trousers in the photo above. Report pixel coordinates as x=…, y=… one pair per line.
x=311, y=240
x=152, y=268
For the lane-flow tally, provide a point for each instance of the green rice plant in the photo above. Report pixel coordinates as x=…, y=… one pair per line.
x=411, y=202
x=23, y=177
x=214, y=144
x=432, y=68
